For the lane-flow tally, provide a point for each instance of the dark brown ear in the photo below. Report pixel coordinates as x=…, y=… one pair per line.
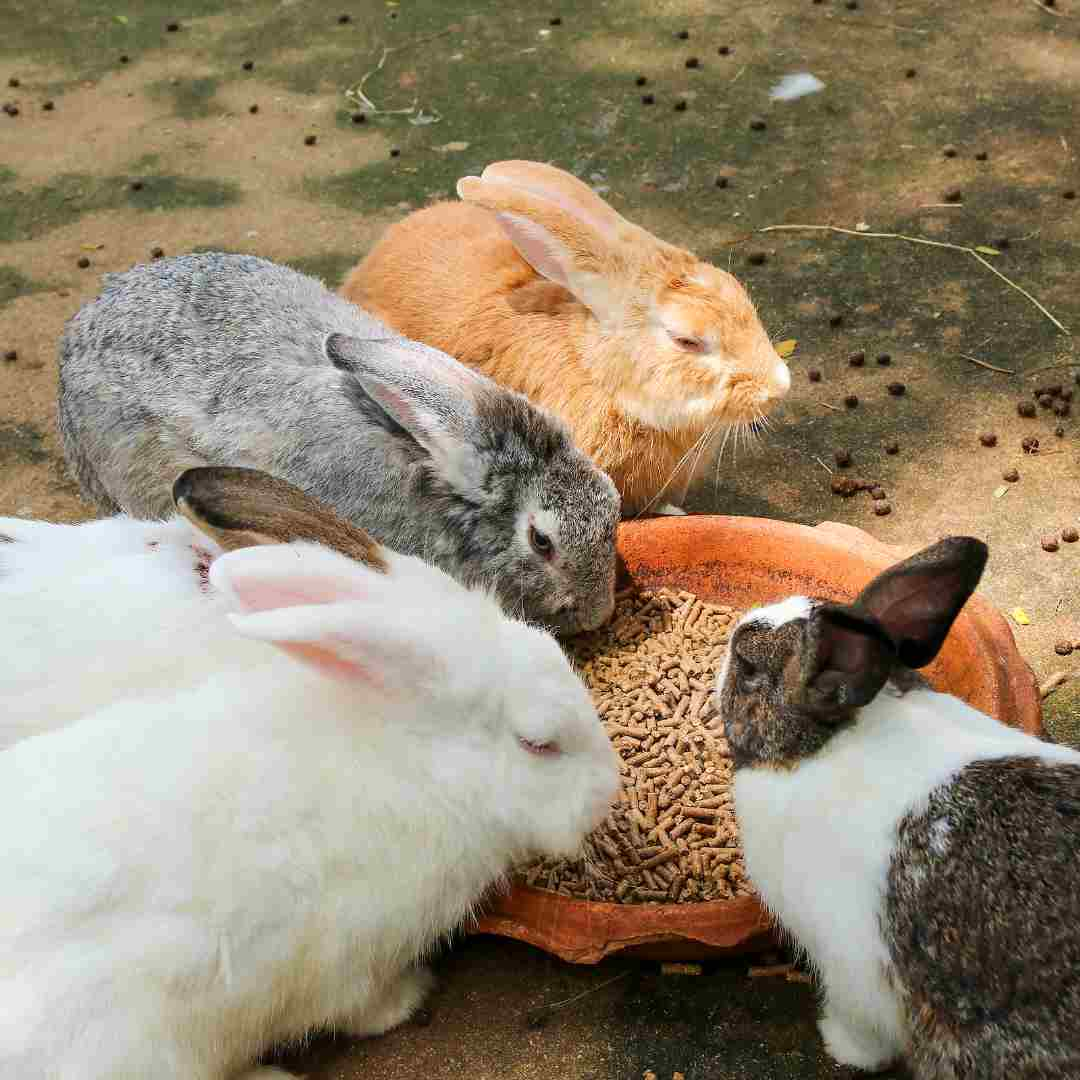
x=850, y=658
x=916, y=601
x=240, y=508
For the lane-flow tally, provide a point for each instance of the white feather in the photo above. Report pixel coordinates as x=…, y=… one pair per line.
x=795, y=86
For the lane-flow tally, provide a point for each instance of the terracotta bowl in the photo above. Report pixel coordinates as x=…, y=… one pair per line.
x=744, y=562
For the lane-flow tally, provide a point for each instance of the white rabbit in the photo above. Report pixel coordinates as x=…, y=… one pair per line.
x=922, y=853
x=192, y=878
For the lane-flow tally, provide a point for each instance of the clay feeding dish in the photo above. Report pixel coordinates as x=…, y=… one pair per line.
x=744, y=562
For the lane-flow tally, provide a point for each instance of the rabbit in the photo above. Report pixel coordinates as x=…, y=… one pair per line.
x=219, y=359
x=647, y=352
x=201, y=874
x=155, y=573
x=923, y=854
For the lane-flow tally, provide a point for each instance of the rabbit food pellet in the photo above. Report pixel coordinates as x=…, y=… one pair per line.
x=672, y=836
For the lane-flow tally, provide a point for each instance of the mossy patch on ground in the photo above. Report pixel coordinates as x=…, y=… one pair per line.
x=21, y=444
x=13, y=283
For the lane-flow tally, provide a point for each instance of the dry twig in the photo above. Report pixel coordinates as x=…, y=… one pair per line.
x=919, y=240
x=1052, y=684
x=1049, y=10
x=989, y=367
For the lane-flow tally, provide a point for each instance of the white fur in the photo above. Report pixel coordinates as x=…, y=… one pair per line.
x=774, y=615
x=268, y=842
x=818, y=839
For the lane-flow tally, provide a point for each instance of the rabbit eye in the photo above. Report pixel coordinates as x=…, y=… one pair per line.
x=541, y=749
x=541, y=542
x=690, y=344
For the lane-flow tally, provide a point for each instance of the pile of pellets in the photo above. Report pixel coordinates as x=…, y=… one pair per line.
x=672, y=836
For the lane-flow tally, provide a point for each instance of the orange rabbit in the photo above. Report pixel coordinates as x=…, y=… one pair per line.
x=644, y=350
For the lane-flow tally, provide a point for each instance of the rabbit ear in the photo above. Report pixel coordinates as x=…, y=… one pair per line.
x=558, y=241
x=330, y=614
x=244, y=507
x=916, y=601
x=849, y=658
x=423, y=392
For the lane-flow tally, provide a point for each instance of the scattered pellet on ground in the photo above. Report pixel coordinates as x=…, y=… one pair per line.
x=1030, y=445
x=672, y=836
x=1049, y=543
x=1026, y=409
x=1010, y=475
x=897, y=389
x=882, y=509
x=1063, y=647
x=814, y=374
x=851, y=401
x=892, y=448
x=1070, y=535
x=842, y=458
x=857, y=359
x=988, y=438
x=884, y=359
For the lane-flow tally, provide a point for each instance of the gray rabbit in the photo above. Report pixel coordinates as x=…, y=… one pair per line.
x=220, y=359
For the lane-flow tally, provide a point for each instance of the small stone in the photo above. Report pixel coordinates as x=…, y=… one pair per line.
x=172, y=27
x=693, y=62
x=757, y=258
x=1063, y=648
x=648, y=99
x=310, y=140
x=48, y=106
x=892, y=448
x=949, y=150
x=1049, y=543
x=842, y=458
x=724, y=50
x=1030, y=445
x=1010, y=476
x=851, y=401
x=1059, y=431
x=556, y=20
x=343, y=19
x=814, y=374
x=882, y=509
x=981, y=155
x=680, y=105
x=954, y=195
x=1026, y=409
x=83, y=262
x=1068, y=194
x=395, y=152
x=877, y=493
x=857, y=359
x=757, y=124
x=988, y=438
x=884, y=359
x=248, y=65
x=721, y=182
x=897, y=389
x=253, y=109
x=641, y=80
x=1070, y=535
x=11, y=356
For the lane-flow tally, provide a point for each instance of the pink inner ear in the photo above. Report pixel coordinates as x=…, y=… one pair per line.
x=327, y=662
x=536, y=246
x=256, y=593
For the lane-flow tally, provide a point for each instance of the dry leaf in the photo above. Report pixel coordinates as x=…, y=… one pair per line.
x=998, y=492
x=786, y=348
x=862, y=227
x=1020, y=615
x=121, y=19
x=984, y=250
x=91, y=247
x=452, y=147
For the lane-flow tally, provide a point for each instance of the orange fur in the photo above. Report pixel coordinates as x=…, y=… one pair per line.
x=450, y=276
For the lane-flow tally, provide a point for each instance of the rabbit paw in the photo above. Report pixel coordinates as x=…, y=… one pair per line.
x=397, y=1002
x=852, y=1044
x=670, y=510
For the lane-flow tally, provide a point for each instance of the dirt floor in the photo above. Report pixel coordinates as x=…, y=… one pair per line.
x=953, y=123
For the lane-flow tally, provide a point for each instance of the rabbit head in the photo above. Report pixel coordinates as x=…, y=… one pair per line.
x=677, y=342
x=530, y=514
x=487, y=707
x=797, y=671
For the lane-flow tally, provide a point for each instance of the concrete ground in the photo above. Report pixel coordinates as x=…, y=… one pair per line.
x=952, y=123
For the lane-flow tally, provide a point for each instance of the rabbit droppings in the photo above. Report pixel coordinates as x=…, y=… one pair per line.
x=648, y=353
x=922, y=853
x=206, y=871
x=232, y=360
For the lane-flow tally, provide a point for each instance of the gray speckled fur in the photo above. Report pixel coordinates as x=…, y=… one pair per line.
x=222, y=359
x=982, y=918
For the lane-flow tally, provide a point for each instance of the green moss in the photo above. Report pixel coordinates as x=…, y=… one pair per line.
x=13, y=283
x=190, y=98
x=21, y=444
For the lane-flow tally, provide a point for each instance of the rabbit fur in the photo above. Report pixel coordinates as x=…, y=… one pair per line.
x=218, y=359
x=921, y=853
x=215, y=867
x=648, y=353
